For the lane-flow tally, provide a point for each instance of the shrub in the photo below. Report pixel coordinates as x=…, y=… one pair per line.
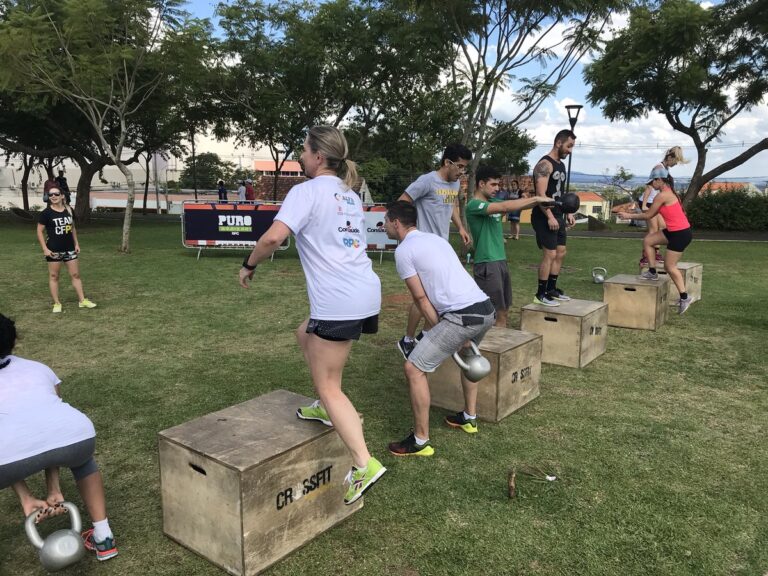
x=737, y=210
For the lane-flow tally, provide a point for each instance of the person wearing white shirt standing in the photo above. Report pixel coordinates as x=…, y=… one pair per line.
x=326, y=217
x=455, y=311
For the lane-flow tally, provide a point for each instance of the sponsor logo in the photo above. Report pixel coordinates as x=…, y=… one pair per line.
x=350, y=242
x=341, y=198
x=349, y=228
x=313, y=484
x=379, y=228
x=235, y=223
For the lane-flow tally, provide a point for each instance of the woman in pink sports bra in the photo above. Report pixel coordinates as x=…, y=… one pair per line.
x=676, y=236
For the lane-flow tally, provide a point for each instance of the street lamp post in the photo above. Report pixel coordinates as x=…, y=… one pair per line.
x=573, y=116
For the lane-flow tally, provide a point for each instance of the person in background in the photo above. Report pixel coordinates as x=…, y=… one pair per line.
x=250, y=193
x=58, y=238
x=677, y=235
x=222, y=190
x=672, y=157
x=61, y=183
x=241, y=191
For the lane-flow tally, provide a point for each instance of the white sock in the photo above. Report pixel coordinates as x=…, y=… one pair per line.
x=419, y=441
x=101, y=530
x=408, y=339
x=468, y=417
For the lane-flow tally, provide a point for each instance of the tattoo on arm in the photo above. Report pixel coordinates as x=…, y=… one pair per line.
x=542, y=170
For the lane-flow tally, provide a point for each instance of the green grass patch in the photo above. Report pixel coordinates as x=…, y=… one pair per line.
x=659, y=445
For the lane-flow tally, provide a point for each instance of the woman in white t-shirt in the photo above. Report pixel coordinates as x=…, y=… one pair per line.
x=41, y=432
x=326, y=217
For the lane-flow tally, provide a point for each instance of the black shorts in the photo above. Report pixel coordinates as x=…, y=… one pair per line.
x=62, y=256
x=546, y=238
x=678, y=240
x=343, y=330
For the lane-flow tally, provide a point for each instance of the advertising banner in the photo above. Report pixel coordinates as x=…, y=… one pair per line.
x=225, y=225
x=374, y=230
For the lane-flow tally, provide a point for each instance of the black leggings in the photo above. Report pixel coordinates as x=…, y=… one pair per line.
x=78, y=457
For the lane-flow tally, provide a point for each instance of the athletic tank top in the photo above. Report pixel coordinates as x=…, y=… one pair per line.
x=555, y=187
x=674, y=217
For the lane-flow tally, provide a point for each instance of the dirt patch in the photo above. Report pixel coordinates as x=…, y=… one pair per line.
x=396, y=299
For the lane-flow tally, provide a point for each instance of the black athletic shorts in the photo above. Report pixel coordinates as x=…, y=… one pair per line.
x=343, y=330
x=546, y=238
x=67, y=256
x=678, y=240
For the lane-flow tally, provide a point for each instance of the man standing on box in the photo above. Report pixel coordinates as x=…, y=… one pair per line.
x=435, y=197
x=549, y=223
x=326, y=218
x=455, y=311
x=484, y=214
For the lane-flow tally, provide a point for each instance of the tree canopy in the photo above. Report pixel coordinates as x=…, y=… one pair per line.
x=698, y=67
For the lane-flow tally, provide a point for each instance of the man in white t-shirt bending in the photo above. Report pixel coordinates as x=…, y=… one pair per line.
x=455, y=311
x=435, y=196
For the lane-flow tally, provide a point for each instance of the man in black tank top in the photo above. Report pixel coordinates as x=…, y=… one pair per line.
x=550, y=224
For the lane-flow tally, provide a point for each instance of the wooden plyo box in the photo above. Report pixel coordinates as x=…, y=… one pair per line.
x=515, y=359
x=635, y=303
x=575, y=333
x=245, y=486
x=692, y=274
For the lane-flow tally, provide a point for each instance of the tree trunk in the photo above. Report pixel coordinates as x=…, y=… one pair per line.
x=146, y=186
x=125, y=245
x=194, y=163
x=83, y=201
x=27, y=162
x=696, y=180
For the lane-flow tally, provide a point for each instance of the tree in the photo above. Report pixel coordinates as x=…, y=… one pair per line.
x=617, y=189
x=698, y=67
x=508, y=152
x=102, y=57
x=497, y=43
x=209, y=170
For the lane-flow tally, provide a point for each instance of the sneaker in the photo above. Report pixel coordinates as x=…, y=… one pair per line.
x=314, y=412
x=659, y=258
x=648, y=275
x=545, y=300
x=56, y=308
x=408, y=447
x=458, y=421
x=684, y=304
x=643, y=261
x=86, y=304
x=104, y=550
x=361, y=480
x=406, y=347
x=557, y=294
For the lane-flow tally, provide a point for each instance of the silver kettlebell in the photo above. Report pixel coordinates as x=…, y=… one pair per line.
x=475, y=367
x=61, y=548
x=599, y=274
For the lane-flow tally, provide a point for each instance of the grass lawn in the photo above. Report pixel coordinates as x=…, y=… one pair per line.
x=659, y=445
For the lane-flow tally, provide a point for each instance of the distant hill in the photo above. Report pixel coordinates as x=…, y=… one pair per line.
x=600, y=181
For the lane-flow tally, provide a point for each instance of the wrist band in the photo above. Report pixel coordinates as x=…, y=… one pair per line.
x=248, y=266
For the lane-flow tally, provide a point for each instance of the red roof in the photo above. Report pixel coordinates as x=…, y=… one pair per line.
x=725, y=186
x=269, y=166
x=590, y=197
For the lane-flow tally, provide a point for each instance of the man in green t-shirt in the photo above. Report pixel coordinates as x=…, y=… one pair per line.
x=484, y=214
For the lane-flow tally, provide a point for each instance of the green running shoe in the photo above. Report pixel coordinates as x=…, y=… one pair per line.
x=408, y=447
x=360, y=480
x=314, y=412
x=458, y=421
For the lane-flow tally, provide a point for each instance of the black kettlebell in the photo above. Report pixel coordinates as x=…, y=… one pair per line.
x=568, y=203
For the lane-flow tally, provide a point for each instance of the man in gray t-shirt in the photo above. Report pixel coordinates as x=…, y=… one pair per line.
x=435, y=196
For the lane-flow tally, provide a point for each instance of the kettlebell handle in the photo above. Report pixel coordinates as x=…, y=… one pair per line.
x=31, y=528
x=458, y=359
x=597, y=270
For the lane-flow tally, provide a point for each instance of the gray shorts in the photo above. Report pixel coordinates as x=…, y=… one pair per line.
x=453, y=330
x=493, y=279
x=78, y=457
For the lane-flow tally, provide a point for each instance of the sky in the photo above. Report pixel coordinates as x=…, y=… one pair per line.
x=602, y=146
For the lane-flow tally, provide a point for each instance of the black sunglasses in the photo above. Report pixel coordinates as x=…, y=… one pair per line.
x=54, y=194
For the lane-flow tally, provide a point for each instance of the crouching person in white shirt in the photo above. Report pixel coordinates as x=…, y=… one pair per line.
x=456, y=311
